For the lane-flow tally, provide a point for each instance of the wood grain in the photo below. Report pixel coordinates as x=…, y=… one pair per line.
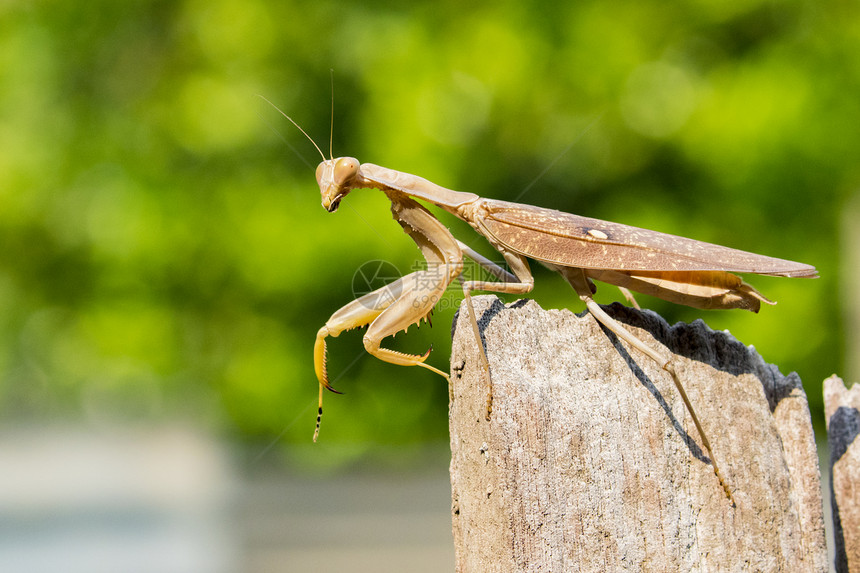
x=591, y=463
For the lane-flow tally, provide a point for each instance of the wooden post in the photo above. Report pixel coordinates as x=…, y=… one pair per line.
x=590, y=462
x=842, y=411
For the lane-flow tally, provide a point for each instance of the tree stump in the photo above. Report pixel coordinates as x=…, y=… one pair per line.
x=842, y=411
x=590, y=462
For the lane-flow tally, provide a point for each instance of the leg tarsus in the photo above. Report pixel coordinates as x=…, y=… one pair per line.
x=668, y=367
x=319, y=417
x=434, y=369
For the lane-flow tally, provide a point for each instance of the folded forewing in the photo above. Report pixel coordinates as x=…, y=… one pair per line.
x=574, y=241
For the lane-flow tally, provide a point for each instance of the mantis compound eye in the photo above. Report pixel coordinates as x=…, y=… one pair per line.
x=344, y=170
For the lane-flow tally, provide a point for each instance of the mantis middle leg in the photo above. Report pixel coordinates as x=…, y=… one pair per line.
x=521, y=282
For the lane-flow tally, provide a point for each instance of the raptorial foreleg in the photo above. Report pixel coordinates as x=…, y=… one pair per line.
x=360, y=312
x=421, y=291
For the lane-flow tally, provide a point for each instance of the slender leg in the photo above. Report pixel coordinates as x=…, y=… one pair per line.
x=520, y=282
x=523, y=283
x=630, y=298
x=578, y=280
x=487, y=264
x=477, y=331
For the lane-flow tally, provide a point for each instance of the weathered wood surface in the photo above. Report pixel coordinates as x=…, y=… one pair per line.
x=591, y=463
x=842, y=412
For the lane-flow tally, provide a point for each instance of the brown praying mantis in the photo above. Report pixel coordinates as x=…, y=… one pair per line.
x=581, y=249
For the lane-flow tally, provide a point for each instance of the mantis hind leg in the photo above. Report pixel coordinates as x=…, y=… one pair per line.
x=578, y=280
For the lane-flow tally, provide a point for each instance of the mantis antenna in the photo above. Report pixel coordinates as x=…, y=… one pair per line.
x=331, y=123
x=291, y=120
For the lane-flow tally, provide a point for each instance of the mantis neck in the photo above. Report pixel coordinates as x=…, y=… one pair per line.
x=377, y=177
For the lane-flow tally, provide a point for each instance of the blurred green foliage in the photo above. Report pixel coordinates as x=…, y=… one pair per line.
x=164, y=253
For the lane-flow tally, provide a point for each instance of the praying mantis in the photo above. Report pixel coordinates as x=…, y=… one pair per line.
x=581, y=249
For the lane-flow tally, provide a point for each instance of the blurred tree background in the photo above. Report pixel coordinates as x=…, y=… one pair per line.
x=165, y=255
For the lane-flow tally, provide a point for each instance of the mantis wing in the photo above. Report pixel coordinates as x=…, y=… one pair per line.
x=574, y=241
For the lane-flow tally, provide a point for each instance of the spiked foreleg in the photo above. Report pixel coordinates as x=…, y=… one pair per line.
x=360, y=312
x=421, y=291
x=406, y=301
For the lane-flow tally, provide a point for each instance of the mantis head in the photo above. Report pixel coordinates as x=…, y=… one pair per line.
x=336, y=178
